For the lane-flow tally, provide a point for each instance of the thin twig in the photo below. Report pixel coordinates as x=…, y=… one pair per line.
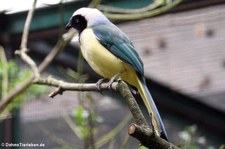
x=23, y=47
x=136, y=16
x=56, y=50
x=151, y=6
x=58, y=91
x=27, y=27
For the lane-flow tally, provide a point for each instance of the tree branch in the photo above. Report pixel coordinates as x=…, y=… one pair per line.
x=23, y=47
x=124, y=90
x=148, y=139
x=120, y=86
x=140, y=130
x=151, y=6
x=145, y=14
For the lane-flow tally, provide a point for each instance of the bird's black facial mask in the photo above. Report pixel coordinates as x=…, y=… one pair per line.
x=78, y=22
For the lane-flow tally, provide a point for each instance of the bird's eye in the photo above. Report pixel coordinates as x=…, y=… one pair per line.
x=76, y=20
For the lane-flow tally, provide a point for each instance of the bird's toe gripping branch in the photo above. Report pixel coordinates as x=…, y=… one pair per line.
x=99, y=83
x=113, y=79
x=110, y=82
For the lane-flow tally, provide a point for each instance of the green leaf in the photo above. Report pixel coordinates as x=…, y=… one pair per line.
x=81, y=122
x=80, y=115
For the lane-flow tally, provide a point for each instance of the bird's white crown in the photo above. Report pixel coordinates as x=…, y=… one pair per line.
x=92, y=15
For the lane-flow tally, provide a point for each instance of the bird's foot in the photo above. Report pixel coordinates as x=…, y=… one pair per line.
x=98, y=84
x=113, y=79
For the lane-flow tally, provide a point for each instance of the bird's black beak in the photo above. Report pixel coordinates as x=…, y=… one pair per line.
x=68, y=25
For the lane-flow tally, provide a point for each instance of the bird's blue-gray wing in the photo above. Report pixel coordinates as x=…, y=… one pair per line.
x=118, y=44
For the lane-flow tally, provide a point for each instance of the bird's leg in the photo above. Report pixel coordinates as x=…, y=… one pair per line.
x=133, y=90
x=98, y=84
x=115, y=77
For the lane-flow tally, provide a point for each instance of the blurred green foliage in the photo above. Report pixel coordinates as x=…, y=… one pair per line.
x=12, y=76
x=81, y=116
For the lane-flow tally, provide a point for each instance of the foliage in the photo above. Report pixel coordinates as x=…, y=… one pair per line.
x=15, y=75
x=81, y=117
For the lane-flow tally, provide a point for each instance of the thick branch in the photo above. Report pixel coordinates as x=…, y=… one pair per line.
x=140, y=131
x=148, y=139
x=124, y=90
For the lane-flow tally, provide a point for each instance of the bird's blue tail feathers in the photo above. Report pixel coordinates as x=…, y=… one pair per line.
x=154, y=108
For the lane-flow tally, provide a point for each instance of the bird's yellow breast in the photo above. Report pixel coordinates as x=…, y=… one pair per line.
x=102, y=60
x=98, y=57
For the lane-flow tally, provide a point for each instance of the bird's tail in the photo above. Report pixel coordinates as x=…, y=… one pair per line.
x=151, y=107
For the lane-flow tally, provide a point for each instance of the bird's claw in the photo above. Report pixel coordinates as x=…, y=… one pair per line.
x=98, y=84
x=113, y=79
x=109, y=84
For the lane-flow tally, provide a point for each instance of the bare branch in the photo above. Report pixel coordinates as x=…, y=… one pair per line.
x=148, y=139
x=151, y=6
x=136, y=16
x=120, y=86
x=66, y=86
x=140, y=131
x=23, y=48
x=56, y=50
x=124, y=90
x=27, y=27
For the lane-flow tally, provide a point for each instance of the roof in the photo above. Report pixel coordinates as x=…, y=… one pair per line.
x=55, y=15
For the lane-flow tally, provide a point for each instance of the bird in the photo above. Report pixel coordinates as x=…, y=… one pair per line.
x=111, y=53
